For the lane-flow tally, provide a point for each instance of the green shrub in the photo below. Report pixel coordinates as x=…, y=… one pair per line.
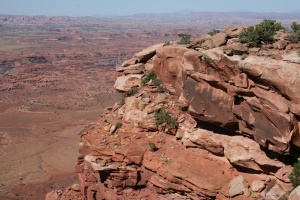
x=150, y=76
x=295, y=34
x=184, y=38
x=132, y=91
x=295, y=27
x=262, y=33
x=167, y=43
x=118, y=125
x=213, y=32
x=293, y=37
x=295, y=175
x=162, y=116
x=152, y=146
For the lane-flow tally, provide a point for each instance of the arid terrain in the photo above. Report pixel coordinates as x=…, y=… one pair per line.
x=57, y=76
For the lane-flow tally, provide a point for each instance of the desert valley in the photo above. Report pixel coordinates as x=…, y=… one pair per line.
x=57, y=77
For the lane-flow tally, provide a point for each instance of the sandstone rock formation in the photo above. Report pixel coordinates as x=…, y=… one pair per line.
x=236, y=132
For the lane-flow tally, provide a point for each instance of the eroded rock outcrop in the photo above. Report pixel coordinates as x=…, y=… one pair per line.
x=234, y=133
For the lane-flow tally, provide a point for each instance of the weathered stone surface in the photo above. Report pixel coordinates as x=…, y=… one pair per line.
x=281, y=44
x=238, y=186
x=168, y=64
x=234, y=31
x=283, y=174
x=124, y=83
x=146, y=54
x=239, y=150
x=276, y=193
x=54, y=195
x=198, y=41
x=295, y=194
x=279, y=74
x=214, y=41
x=257, y=186
x=219, y=39
x=131, y=61
x=238, y=49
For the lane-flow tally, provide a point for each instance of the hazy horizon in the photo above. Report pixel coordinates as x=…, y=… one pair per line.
x=82, y=8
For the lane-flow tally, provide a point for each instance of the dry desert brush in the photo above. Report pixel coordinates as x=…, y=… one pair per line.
x=162, y=116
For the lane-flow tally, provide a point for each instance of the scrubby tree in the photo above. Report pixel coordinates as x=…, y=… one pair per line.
x=213, y=32
x=295, y=27
x=184, y=38
x=295, y=34
x=262, y=33
x=295, y=175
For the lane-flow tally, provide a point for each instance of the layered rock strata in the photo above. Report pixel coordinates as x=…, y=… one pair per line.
x=237, y=119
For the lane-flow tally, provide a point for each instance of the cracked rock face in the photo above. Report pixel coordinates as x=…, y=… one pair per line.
x=231, y=117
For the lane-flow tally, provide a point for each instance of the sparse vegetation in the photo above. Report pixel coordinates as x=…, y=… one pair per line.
x=262, y=33
x=295, y=27
x=118, y=125
x=152, y=146
x=150, y=76
x=293, y=37
x=184, y=38
x=162, y=116
x=132, y=91
x=295, y=175
x=213, y=32
x=167, y=43
x=295, y=34
x=244, y=56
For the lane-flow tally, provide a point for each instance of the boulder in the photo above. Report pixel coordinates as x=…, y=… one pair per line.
x=276, y=193
x=146, y=54
x=238, y=186
x=257, y=186
x=281, y=44
x=219, y=39
x=124, y=83
x=238, y=49
x=198, y=41
x=234, y=31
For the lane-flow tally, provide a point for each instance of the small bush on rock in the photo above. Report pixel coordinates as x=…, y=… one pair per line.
x=295, y=34
x=150, y=76
x=184, y=38
x=213, y=32
x=262, y=33
x=132, y=91
x=293, y=37
x=295, y=175
x=118, y=125
x=295, y=27
x=167, y=43
x=152, y=146
x=162, y=116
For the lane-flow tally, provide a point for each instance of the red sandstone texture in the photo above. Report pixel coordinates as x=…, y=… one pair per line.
x=238, y=125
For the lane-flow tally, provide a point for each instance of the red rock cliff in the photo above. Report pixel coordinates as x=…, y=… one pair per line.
x=236, y=132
